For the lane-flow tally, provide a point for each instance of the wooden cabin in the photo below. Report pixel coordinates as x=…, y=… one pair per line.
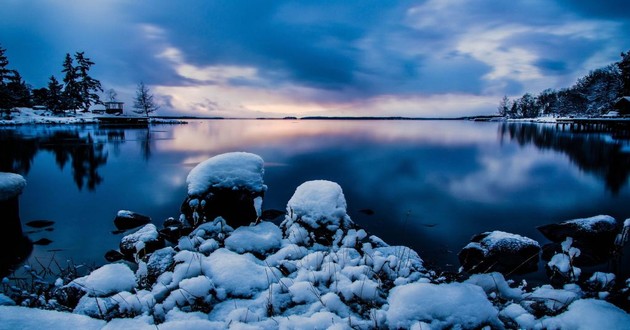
x=623, y=106
x=114, y=107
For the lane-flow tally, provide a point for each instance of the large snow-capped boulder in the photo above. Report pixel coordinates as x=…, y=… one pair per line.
x=14, y=246
x=11, y=185
x=501, y=252
x=597, y=230
x=594, y=236
x=316, y=214
x=228, y=185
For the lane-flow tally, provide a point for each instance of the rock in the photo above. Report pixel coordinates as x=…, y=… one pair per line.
x=587, y=229
x=595, y=236
x=113, y=255
x=129, y=220
x=317, y=214
x=141, y=243
x=229, y=186
x=159, y=262
x=501, y=252
x=40, y=223
x=15, y=246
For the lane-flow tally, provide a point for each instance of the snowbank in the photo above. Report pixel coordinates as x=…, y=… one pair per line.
x=11, y=185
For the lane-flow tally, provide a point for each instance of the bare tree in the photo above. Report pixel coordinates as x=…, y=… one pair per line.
x=143, y=103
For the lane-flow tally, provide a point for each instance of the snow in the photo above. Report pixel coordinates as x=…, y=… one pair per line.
x=25, y=116
x=232, y=170
x=588, y=224
x=317, y=202
x=442, y=306
x=137, y=240
x=506, y=241
x=260, y=238
x=589, y=314
x=238, y=274
x=106, y=280
x=15, y=317
x=11, y=185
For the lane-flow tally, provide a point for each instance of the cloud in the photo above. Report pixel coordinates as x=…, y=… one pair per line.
x=323, y=57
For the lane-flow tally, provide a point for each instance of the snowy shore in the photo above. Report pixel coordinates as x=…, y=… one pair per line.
x=316, y=270
x=28, y=116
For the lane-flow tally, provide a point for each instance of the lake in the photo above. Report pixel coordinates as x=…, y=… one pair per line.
x=430, y=185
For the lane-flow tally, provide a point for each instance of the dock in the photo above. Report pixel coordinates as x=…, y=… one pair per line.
x=123, y=121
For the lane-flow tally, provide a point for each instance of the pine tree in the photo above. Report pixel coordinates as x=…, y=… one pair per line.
x=143, y=102
x=504, y=106
x=20, y=92
x=624, y=67
x=6, y=100
x=88, y=86
x=71, y=92
x=54, y=100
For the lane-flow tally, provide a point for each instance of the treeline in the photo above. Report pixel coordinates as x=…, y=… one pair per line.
x=592, y=95
x=77, y=90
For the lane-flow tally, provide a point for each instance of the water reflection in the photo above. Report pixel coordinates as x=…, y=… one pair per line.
x=601, y=150
x=83, y=149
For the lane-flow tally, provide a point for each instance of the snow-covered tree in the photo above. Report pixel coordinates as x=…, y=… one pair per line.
x=624, y=67
x=504, y=106
x=88, y=86
x=54, y=99
x=143, y=102
x=71, y=91
x=6, y=100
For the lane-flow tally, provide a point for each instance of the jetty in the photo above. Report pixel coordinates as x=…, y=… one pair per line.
x=123, y=121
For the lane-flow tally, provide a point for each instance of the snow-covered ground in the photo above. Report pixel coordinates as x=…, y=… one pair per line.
x=316, y=270
x=27, y=116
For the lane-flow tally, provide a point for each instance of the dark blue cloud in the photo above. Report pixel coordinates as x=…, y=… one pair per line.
x=347, y=50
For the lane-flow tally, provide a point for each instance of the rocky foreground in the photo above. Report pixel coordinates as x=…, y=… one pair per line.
x=220, y=266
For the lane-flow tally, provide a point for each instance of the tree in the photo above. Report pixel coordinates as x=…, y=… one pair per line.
x=624, y=67
x=504, y=106
x=143, y=102
x=54, y=99
x=88, y=86
x=71, y=91
x=6, y=99
x=20, y=92
x=111, y=95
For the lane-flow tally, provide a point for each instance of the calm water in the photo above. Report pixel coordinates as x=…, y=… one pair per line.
x=430, y=184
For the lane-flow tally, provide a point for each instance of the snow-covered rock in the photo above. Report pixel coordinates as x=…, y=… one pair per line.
x=11, y=185
x=316, y=214
x=228, y=185
x=106, y=280
x=261, y=238
x=144, y=240
x=586, y=314
x=500, y=251
x=127, y=220
x=441, y=306
x=602, y=228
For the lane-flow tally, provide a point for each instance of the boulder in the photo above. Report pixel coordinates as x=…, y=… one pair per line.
x=316, y=214
x=597, y=230
x=501, y=252
x=129, y=220
x=15, y=246
x=142, y=242
x=594, y=236
x=229, y=185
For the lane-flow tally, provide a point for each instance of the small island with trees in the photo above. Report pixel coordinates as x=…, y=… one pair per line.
x=76, y=91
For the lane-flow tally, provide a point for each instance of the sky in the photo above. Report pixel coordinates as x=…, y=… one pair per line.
x=249, y=58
